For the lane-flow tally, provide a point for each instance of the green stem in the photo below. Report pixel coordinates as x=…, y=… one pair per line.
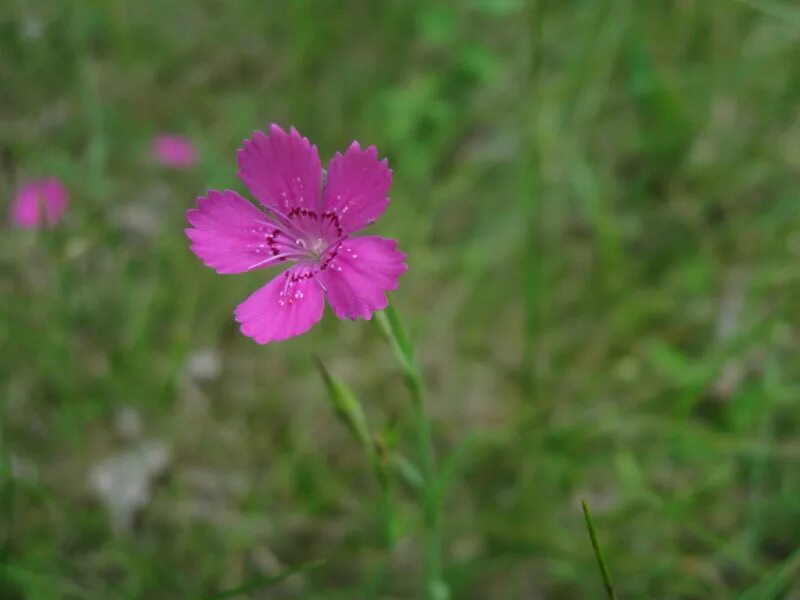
x=389, y=535
x=433, y=566
x=385, y=478
x=601, y=561
x=348, y=409
x=532, y=208
x=435, y=588
x=6, y=488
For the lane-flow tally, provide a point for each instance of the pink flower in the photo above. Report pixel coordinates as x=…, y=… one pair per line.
x=307, y=220
x=174, y=151
x=38, y=203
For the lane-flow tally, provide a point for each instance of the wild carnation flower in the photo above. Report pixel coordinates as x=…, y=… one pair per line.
x=174, y=151
x=309, y=215
x=38, y=203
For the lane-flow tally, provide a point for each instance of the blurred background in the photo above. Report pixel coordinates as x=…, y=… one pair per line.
x=599, y=202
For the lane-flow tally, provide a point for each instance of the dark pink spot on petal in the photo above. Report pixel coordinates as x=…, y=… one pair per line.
x=229, y=234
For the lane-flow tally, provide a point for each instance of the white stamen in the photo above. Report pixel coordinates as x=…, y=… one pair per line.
x=271, y=258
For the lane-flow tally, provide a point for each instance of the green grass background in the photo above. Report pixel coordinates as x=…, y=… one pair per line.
x=599, y=202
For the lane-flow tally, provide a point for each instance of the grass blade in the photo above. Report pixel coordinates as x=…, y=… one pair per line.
x=775, y=583
x=7, y=485
x=776, y=10
x=601, y=561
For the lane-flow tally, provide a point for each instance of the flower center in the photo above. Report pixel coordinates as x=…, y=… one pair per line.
x=312, y=248
x=318, y=247
x=316, y=233
x=302, y=235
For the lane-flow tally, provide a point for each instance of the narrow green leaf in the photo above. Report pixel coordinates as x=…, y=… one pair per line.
x=601, y=562
x=395, y=333
x=453, y=464
x=783, y=12
x=7, y=487
x=391, y=326
x=774, y=583
x=347, y=408
x=409, y=472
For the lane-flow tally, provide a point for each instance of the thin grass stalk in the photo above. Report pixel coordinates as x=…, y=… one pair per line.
x=392, y=327
x=598, y=552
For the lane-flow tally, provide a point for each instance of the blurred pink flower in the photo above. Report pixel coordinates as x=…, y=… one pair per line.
x=39, y=203
x=307, y=219
x=174, y=151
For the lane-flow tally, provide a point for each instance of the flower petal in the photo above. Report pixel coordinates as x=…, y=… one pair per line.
x=357, y=278
x=56, y=200
x=287, y=306
x=174, y=151
x=281, y=169
x=48, y=194
x=358, y=184
x=231, y=235
x=26, y=209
